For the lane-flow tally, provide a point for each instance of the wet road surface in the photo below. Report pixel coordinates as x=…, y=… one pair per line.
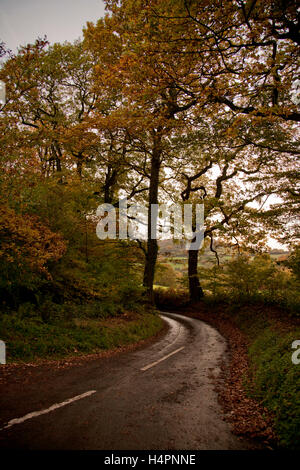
x=160, y=397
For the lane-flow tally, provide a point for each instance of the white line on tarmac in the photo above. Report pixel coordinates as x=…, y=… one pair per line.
x=161, y=359
x=34, y=414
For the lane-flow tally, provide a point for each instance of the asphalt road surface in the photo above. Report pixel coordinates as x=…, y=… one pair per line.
x=159, y=397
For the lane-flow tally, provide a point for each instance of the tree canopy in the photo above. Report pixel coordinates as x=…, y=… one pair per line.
x=183, y=101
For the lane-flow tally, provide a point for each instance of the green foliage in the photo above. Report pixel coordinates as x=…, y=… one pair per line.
x=294, y=262
x=165, y=275
x=276, y=382
x=258, y=279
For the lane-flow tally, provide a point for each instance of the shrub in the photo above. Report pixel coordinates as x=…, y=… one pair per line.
x=276, y=382
x=259, y=279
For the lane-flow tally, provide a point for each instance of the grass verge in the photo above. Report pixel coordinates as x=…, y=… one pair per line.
x=275, y=381
x=28, y=339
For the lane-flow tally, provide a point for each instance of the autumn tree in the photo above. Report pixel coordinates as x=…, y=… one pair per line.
x=152, y=107
x=172, y=60
x=57, y=166
x=228, y=179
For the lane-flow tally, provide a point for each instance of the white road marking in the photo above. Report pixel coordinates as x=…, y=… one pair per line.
x=12, y=422
x=171, y=323
x=34, y=414
x=161, y=359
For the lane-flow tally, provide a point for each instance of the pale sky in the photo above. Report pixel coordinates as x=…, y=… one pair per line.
x=23, y=21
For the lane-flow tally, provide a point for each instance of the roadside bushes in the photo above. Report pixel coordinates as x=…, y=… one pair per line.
x=275, y=381
x=52, y=264
x=258, y=279
x=165, y=275
x=170, y=298
x=28, y=247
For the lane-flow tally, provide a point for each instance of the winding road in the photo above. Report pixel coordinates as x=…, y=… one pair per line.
x=161, y=397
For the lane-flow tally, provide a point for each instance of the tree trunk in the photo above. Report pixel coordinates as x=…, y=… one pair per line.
x=79, y=168
x=57, y=156
x=195, y=289
x=109, y=185
x=152, y=245
x=149, y=271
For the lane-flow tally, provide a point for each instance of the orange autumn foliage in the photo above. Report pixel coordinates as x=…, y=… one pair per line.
x=27, y=242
